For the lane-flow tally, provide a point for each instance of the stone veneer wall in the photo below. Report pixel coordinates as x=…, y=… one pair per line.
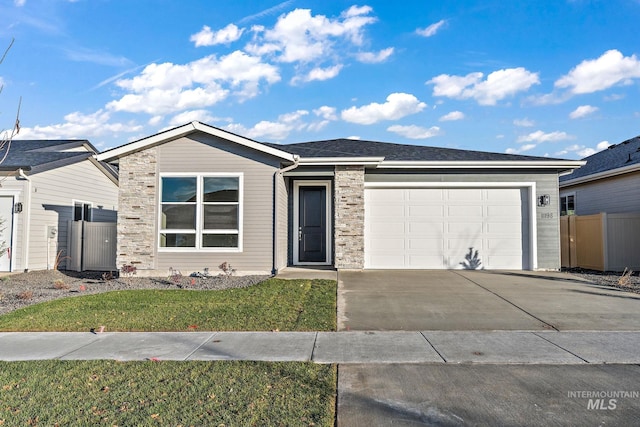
x=349, y=217
x=137, y=210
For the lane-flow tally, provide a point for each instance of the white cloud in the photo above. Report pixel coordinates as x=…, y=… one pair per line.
x=432, y=29
x=398, y=105
x=326, y=112
x=78, y=125
x=610, y=69
x=19, y=3
x=155, y=120
x=497, y=86
x=415, y=132
x=582, y=111
x=165, y=88
x=270, y=130
x=583, y=151
x=603, y=145
x=300, y=36
x=540, y=136
x=375, y=57
x=452, y=116
x=521, y=149
x=525, y=123
x=190, y=116
x=226, y=35
x=319, y=74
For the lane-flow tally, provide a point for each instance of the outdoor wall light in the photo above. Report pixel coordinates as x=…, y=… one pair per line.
x=544, y=200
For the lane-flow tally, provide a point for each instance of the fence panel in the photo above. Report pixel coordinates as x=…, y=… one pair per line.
x=623, y=242
x=92, y=246
x=590, y=242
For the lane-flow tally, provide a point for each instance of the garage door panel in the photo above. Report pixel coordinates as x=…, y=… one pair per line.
x=426, y=229
x=438, y=226
x=469, y=211
x=433, y=245
x=425, y=211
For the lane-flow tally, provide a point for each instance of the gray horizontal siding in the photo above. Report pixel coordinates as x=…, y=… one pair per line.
x=207, y=154
x=52, y=199
x=548, y=226
x=613, y=195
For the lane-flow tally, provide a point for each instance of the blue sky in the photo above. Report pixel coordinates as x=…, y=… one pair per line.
x=557, y=78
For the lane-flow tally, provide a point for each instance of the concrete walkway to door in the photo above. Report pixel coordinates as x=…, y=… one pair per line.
x=463, y=300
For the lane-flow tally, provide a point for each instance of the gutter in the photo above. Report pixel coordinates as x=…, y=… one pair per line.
x=27, y=224
x=276, y=197
x=498, y=164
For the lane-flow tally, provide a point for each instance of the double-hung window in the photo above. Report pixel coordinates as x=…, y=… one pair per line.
x=201, y=212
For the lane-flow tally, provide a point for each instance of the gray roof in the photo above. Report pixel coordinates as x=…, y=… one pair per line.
x=394, y=152
x=617, y=156
x=41, y=154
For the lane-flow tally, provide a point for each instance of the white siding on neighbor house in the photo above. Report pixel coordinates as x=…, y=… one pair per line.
x=201, y=153
x=53, y=194
x=620, y=194
x=547, y=219
x=17, y=188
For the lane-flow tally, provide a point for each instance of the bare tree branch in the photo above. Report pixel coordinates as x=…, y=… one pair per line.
x=7, y=136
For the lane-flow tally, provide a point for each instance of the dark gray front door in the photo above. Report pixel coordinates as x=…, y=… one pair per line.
x=312, y=221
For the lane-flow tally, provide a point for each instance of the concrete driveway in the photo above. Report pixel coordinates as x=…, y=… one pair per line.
x=423, y=300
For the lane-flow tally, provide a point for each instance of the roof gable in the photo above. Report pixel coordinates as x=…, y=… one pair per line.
x=178, y=132
x=618, y=158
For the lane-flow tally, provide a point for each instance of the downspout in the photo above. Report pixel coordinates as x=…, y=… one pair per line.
x=27, y=222
x=276, y=218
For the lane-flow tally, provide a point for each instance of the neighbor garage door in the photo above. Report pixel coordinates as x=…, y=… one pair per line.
x=433, y=228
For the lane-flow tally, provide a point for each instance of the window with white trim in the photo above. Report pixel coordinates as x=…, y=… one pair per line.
x=201, y=212
x=568, y=204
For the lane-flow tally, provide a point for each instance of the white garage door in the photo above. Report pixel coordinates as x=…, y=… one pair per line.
x=434, y=228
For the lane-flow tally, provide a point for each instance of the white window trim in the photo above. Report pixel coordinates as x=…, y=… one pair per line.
x=530, y=186
x=575, y=202
x=84, y=202
x=199, y=231
x=296, y=220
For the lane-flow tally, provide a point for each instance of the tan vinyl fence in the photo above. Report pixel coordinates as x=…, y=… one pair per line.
x=92, y=246
x=604, y=242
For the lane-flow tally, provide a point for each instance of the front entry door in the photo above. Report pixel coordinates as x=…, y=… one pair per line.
x=312, y=224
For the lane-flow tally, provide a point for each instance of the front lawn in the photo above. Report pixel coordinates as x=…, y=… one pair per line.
x=113, y=393
x=275, y=304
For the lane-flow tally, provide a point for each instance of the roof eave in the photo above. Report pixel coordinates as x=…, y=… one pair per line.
x=483, y=164
x=332, y=161
x=124, y=150
x=601, y=175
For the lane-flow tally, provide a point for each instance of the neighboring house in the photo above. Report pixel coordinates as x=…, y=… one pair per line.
x=609, y=182
x=43, y=185
x=196, y=196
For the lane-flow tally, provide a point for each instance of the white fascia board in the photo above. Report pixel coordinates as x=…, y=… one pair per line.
x=331, y=161
x=185, y=130
x=601, y=175
x=480, y=164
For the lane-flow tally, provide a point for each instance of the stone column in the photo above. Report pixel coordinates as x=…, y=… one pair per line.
x=137, y=212
x=348, y=223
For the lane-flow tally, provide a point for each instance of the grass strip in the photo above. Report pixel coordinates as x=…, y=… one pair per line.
x=275, y=304
x=111, y=393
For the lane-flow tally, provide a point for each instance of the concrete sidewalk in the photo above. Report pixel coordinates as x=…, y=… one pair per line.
x=436, y=347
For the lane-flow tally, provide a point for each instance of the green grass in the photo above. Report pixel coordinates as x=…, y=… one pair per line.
x=166, y=393
x=275, y=304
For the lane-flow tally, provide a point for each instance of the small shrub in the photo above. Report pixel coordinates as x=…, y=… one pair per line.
x=59, y=284
x=128, y=270
x=625, y=279
x=25, y=295
x=59, y=259
x=227, y=269
x=107, y=276
x=175, y=276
